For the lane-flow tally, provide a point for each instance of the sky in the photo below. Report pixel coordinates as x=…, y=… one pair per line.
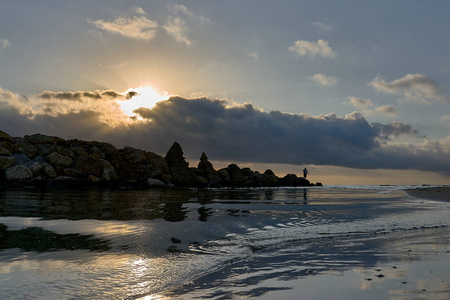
x=355, y=91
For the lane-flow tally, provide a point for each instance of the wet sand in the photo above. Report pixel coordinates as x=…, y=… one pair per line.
x=439, y=193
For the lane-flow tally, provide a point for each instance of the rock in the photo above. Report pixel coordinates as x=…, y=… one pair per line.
x=138, y=156
x=269, y=178
x=155, y=183
x=225, y=176
x=158, y=162
x=57, y=159
x=78, y=151
x=237, y=177
x=36, y=168
x=22, y=159
x=64, y=151
x=6, y=148
x=106, y=176
x=19, y=172
x=318, y=184
x=179, y=168
x=26, y=148
x=5, y=137
x=45, y=149
x=6, y=162
x=108, y=172
x=48, y=170
x=293, y=180
x=43, y=139
x=94, y=179
x=108, y=149
x=88, y=165
x=96, y=151
x=208, y=169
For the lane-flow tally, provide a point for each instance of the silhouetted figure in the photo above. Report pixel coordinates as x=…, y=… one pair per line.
x=305, y=173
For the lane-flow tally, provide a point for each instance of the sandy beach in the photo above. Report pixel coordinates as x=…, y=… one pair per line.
x=438, y=193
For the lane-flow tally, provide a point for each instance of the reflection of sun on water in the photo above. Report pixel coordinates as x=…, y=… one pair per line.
x=146, y=97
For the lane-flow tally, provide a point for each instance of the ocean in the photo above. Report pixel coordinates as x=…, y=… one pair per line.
x=343, y=242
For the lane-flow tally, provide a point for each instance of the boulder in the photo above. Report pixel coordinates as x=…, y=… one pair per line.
x=96, y=151
x=108, y=149
x=6, y=148
x=5, y=137
x=293, y=180
x=57, y=159
x=22, y=159
x=43, y=139
x=208, y=170
x=237, y=177
x=6, y=162
x=158, y=162
x=78, y=151
x=36, y=168
x=18, y=173
x=25, y=148
x=65, y=151
x=45, y=149
x=94, y=179
x=181, y=174
x=155, y=183
x=269, y=178
x=48, y=170
x=88, y=165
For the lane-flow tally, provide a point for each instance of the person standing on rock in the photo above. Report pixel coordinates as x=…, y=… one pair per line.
x=305, y=173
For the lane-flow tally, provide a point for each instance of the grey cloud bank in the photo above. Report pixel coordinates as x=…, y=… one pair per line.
x=243, y=133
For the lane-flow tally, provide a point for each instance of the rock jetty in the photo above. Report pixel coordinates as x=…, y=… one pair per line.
x=47, y=160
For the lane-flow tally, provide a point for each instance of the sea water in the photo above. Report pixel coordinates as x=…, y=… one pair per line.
x=206, y=243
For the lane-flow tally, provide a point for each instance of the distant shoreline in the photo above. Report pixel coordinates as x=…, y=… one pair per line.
x=435, y=193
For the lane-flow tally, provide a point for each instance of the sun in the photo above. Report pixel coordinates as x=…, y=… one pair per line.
x=146, y=97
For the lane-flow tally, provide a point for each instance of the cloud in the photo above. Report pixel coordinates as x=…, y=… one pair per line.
x=312, y=48
x=176, y=28
x=324, y=80
x=137, y=27
x=138, y=10
x=366, y=106
x=323, y=27
x=395, y=129
x=178, y=9
x=106, y=104
x=253, y=55
x=181, y=22
x=446, y=119
x=227, y=132
x=385, y=110
x=78, y=96
x=359, y=103
x=4, y=43
x=413, y=87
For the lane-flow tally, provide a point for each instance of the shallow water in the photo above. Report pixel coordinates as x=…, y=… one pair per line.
x=221, y=244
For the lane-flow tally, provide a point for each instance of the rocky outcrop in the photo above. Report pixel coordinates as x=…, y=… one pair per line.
x=42, y=159
x=182, y=175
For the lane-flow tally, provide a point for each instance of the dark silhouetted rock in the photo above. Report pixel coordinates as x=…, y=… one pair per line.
x=208, y=170
x=293, y=180
x=181, y=174
x=44, y=159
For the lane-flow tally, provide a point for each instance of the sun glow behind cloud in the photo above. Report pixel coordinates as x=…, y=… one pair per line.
x=146, y=97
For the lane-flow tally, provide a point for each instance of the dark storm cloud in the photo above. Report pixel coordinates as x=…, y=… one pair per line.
x=77, y=96
x=243, y=133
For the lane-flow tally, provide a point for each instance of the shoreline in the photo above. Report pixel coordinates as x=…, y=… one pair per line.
x=435, y=193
